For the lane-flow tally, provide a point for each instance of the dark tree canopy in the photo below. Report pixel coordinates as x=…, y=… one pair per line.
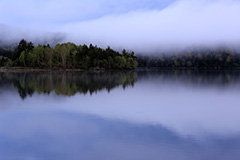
x=71, y=56
x=22, y=46
x=199, y=59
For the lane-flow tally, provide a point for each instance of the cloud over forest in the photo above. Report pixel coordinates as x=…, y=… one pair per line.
x=134, y=25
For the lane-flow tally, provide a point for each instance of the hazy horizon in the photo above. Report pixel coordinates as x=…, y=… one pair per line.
x=141, y=26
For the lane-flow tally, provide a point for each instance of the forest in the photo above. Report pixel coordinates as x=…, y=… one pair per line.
x=220, y=58
x=71, y=56
x=66, y=56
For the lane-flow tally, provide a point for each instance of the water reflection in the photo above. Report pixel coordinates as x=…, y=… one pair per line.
x=194, y=78
x=62, y=135
x=171, y=115
x=66, y=83
x=70, y=83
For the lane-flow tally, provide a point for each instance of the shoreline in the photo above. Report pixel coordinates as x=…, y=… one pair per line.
x=21, y=69
x=25, y=69
x=18, y=69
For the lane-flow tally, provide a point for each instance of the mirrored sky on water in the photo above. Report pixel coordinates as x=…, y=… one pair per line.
x=168, y=115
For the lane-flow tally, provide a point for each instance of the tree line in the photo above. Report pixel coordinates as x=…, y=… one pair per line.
x=71, y=56
x=68, y=56
x=200, y=59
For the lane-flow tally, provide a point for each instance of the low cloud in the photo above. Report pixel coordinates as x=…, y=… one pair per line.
x=11, y=35
x=181, y=24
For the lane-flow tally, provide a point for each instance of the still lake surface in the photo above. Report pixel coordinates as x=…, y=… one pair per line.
x=143, y=115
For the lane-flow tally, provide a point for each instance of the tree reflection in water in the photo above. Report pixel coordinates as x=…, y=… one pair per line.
x=70, y=83
x=217, y=79
x=66, y=83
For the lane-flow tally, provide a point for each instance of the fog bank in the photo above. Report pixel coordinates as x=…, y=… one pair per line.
x=183, y=24
x=177, y=25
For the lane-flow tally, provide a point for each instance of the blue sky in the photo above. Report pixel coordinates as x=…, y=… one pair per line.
x=62, y=11
x=138, y=25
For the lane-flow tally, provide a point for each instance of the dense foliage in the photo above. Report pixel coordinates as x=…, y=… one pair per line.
x=200, y=58
x=71, y=56
x=6, y=52
x=4, y=61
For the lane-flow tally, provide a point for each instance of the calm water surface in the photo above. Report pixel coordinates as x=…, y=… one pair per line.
x=144, y=115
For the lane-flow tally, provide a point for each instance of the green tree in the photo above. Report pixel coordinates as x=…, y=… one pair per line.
x=22, y=59
x=22, y=46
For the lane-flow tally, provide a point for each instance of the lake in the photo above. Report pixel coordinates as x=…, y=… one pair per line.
x=128, y=115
